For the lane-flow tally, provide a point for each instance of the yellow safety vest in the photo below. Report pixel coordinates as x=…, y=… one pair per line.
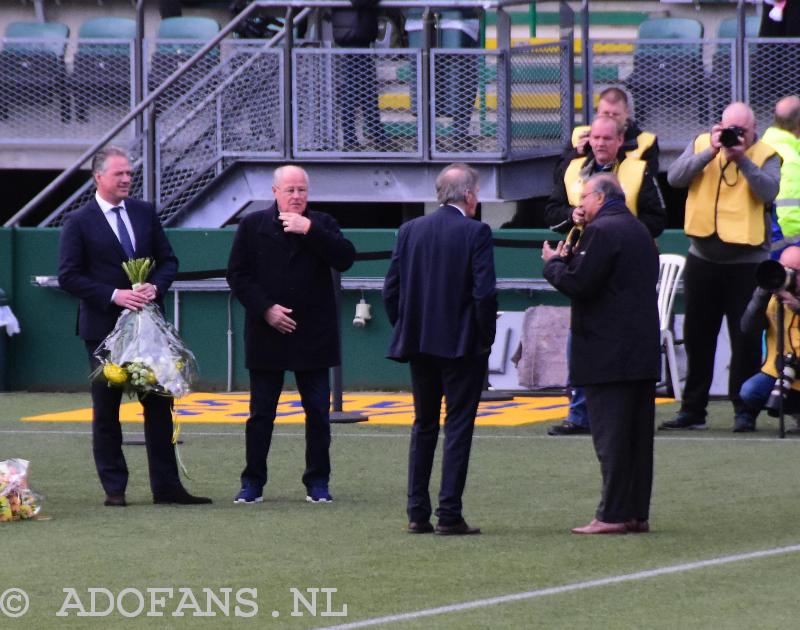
x=791, y=338
x=629, y=171
x=726, y=206
x=644, y=141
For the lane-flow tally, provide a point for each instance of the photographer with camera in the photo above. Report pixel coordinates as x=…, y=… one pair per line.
x=777, y=285
x=732, y=179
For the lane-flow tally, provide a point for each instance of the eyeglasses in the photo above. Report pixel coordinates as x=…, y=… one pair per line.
x=593, y=192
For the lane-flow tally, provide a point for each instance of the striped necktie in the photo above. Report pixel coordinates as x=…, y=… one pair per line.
x=124, y=235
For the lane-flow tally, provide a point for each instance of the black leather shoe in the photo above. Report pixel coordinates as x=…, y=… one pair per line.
x=459, y=529
x=115, y=500
x=180, y=497
x=568, y=428
x=683, y=421
x=420, y=527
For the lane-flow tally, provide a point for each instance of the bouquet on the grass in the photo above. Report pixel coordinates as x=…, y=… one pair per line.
x=17, y=500
x=144, y=354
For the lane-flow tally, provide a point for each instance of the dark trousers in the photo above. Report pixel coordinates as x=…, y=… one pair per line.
x=623, y=415
x=107, y=436
x=712, y=290
x=358, y=89
x=265, y=389
x=460, y=381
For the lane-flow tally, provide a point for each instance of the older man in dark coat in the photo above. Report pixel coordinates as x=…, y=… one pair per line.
x=280, y=270
x=440, y=297
x=611, y=278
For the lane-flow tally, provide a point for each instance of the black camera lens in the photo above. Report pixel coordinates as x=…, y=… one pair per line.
x=730, y=136
x=773, y=276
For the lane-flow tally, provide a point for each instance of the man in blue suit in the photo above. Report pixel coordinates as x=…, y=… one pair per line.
x=95, y=240
x=441, y=299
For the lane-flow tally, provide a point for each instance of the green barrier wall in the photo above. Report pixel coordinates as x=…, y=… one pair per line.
x=47, y=355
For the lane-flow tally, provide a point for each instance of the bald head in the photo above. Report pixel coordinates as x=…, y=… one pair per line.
x=288, y=170
x=740, y=115
x=787, y=114
x=790, y=257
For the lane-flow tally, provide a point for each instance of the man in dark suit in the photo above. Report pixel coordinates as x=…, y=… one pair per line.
x=280, y=270
x=95, y=240
x=440, y=297
x=611, y=278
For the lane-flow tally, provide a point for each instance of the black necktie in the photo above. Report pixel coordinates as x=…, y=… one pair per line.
x=124, y=236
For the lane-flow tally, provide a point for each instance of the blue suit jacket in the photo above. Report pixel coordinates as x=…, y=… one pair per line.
x=440, y=290
x=91, y=257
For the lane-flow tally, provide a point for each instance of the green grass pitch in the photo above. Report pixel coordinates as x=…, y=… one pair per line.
x=716, y=495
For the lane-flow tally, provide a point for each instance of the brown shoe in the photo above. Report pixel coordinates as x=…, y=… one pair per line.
x=115, y=500
x=599, y=527
x=420, y=527
x=635, y=526
x=459, y=529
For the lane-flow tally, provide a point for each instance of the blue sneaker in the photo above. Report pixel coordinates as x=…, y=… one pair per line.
x=319, y=494
x=249, y=494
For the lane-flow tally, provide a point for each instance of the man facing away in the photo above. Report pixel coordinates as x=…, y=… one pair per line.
x=95, y=240
x=440, y=296
x=784, y=137
x=280, y=270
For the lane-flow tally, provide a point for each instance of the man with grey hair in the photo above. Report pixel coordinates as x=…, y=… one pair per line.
x=96, y=239
x=615, y=356
x=440, y=296
x=280, y=270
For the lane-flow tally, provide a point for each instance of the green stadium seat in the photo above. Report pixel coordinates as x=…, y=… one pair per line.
x=727, y=28
x=170, y=54
x=101, y=72
x=670, y=71
x=721, y=69
x=32, y=69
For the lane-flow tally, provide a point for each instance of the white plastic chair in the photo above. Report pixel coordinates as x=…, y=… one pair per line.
x=669, y=275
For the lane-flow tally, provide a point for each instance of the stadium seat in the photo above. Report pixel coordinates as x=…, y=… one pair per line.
x=721, y=62
x=669, y=276
x=101, y=75
x=178, y=39
x=32, y=70
x=668, y=69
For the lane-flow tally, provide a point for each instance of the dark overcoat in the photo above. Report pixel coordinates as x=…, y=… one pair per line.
x=268, y=266
x=611, y=280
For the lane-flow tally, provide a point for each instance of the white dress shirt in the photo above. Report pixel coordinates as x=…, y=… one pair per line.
x=112, y=218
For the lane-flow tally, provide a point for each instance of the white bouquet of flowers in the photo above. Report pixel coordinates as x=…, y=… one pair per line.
x=144, y=354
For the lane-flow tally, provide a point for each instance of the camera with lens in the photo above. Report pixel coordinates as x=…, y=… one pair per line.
x=773, y=276
x=783, y=385
x=731, y=136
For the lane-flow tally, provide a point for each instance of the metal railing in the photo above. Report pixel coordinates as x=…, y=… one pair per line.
x=227, y=102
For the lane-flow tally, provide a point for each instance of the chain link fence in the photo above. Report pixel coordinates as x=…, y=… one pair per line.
x=355, y=102
x=772, y=71
x=465, y=96
x=539, y=110
x=678, y=88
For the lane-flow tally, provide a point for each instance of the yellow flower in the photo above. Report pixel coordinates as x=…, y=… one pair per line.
x=114, y=374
